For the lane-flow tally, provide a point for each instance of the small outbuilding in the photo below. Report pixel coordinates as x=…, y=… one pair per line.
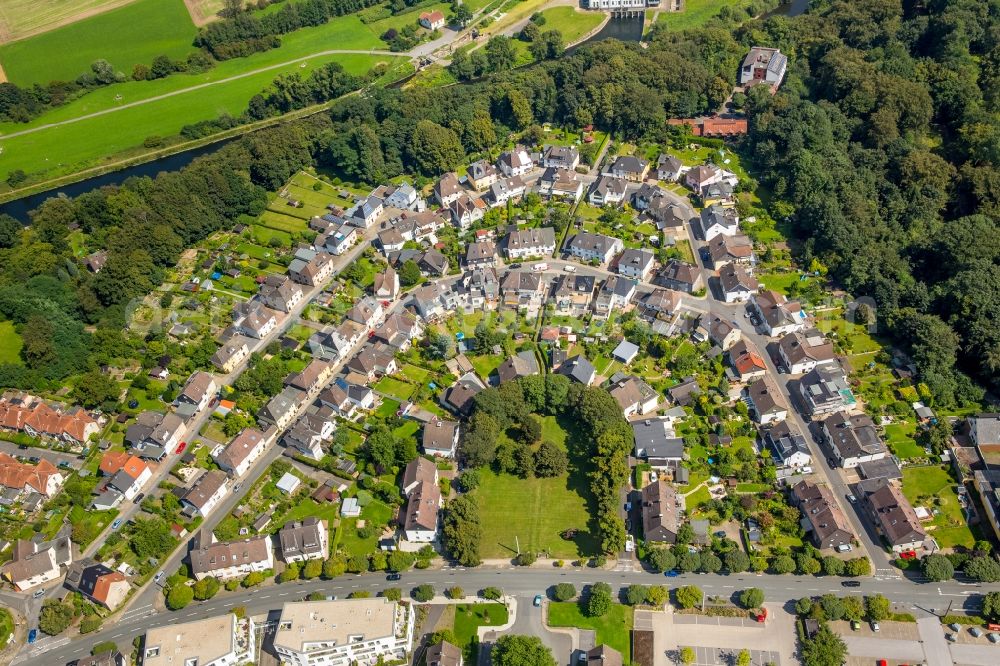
x=625, y=351
x=289, y=483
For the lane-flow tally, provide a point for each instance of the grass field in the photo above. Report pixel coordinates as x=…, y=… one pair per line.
x=7, y=624
x=933, y=488
x=614, y=629
x=899, y=437
x=68, y=148
x=134, y=33
x=21, y=18
x=469, y=617
x=10, y=343
x=572, y=23
x=696, y=13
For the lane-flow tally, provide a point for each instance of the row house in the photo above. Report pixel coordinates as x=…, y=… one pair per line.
x=347, y=399
x=127, y=475
x=311, y=431
x=232, y=353
x=152, y=430
x=523, y=290
x=536, y=242
x=22, y=477
x=481, y=288
x=27, y=413
x=281, y=409
x=594, y=247
x=615, y=294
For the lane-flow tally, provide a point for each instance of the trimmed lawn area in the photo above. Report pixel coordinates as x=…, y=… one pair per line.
x=552, y=431
x=534, y=512
x=696, y=13
x=931, y=486
x=571, y=22
x=94, y=521
x=415, y=374
x=387, y=408
x=485, y=365
x=613, y=629
x=779, y=282
x=899, y=437
x=394, y=387
x=376, y=513
x=469, y=617
x=697, y=498
x=135, y=33
x=306, y=507
x=6, y=624
x=10, y=343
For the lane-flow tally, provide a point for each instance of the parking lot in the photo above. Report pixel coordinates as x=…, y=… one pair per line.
x=719, y=640
x=706, y=656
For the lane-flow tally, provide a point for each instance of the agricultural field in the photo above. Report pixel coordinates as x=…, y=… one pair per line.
x=142, y=30
x=10, y=343
x=93, y=141
x=22, y=18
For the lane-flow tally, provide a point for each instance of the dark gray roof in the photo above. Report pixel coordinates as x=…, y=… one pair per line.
x=654, y=439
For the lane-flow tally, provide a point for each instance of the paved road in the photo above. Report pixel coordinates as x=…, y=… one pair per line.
x=516, y=582
x=54, y=457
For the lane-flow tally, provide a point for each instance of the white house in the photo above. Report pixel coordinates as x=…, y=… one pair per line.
x=226, y=560
x=206, y=493
x=223, y=640
x=763, y=65
x=801, y=351
x=515, y=162
x=636, y=264
x=432, y=20
x=778, y=315
x=239, y=455
x=588, y=247
x=440, y=438
x=716, y=220
x=608, y=190
x=536, y=242
x=305, y=540
x=765, y=401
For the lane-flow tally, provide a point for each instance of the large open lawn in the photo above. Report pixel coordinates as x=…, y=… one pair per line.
x=90, y=142
x=571, y=22
x=696, y=13
x=134, y=33
x=932, y=487
x=614, y=629
x=10, y=343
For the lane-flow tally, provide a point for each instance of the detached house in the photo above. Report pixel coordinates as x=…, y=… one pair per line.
x=432, y=20
x=367, y=312
x=778, y=315
x=763, y=65
x=537, y=242
x=482, y=174
x=766, y=403
x=365, y=213
x=386, y=286
x=481, y=254
x=198, y=391
x=608, y=190
x=561, y=157
x=231, y=354
x=515, y=162
x=668, y=167
x=239, y=455
x=432, y=301
x=731, y=250
x=98, y=583
x=577, y=368
x=722, y=332
x=573, y=293
x=33, y=564
x=594, y=247
x=310, y=267
x=440, y=438
x=716, y=220
x=466, y=211
x=420, y=487
x=522, y=364
x=374, y=360
x=801, y=351
x=660, y=513
x=312, y=378
x=661, y=301
x=305, y=540
x=629, y=168
x=824, y=389
x=447, y=189
x=737, y=285
x=254, y=320
x=560, y=184
x=634, y=396
x=504, y=190
x=788, y=448
x=636, y=264
x=481, y=288
x=852, y=439
x=895, y=518
x=655, y=443
x=399, y=331
x=337, y=343
x=746, y=363
x=821, y=515
x=311, y=431
x=226, y=560
x=459, y=396
x=523, y=290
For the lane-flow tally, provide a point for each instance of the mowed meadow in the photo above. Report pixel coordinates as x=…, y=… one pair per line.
x=133, y=33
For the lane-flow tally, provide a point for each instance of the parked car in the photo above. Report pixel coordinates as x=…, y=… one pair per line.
x=138, y=498
x=393, y=576
x=159, y=578
x=180, y=448
x=851, y=498
x=32, y=636
x=671, y=574
x=844, y=548
x=538, y=600
x=569, y=269
x=118, y=523
x=34, y=459
x=38, y=594
x=237, y=487
x=875, y=626
x=855, y=625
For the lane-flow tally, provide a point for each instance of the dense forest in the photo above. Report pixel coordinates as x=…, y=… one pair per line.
x=880, y=150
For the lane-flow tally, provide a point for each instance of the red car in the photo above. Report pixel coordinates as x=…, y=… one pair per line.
x=181, y=447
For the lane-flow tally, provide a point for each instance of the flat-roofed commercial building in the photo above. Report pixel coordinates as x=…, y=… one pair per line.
x=338, y=633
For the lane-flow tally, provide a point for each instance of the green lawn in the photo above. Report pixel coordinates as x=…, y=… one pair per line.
x=376, y=513
x=613, y=629
x=10, y=343
x=697, y=498
x=469, y=617
x=415, y=374
x=533, y=512
x=571, y=22
x=135, y=33
x=400, y=21
x=68, y=148
x=552, y=431
x=696, y=13
x=932, y=487
x=485, y=365
x=397, y=388
x=6, y=624
x=305, y=508
x=95, y=521
x=779, y=282
x=899, y=438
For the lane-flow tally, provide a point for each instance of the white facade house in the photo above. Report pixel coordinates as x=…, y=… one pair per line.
x=206, y=493
x=763, y=65
x=536, y=242
x=227, y=560
x=223, y=640
x=515, y=162
x=588, y=247
x=239, y=455
x=339, y=633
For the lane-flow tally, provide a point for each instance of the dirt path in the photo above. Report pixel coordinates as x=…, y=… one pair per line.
x=3, y=75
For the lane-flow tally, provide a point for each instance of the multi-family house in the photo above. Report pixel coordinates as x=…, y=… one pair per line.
x=607, y=190
x=574, y=293
x=127, y=474
x=766, y=403
x=515, y=162
x=36, y=563
x=242, y=452
x=440, y=438
x=374, y=360
x=423, y=501
x=199, y=390
x=281, y=409
x=481, y=288
x=895, y=518
x=504, y=190
x=304, y=540
x=852, y=438
x=788, y=448
x=660, y=519
x=482, y=174
x=466, y=211
x=443, y=653
x=346, y=399
x=824, y=389
x=826, y=523
x=562, y=184
x=280, y=293
x=680, y=276
x=615, y=294
x=801, y=351
x=536, y=242
x=668, y=167
x=594, y=247
x=365, y=213
x=312, y=378
x=98, y=583
x=391, y=240
x=30, y=414
x=214, y=641
x=660, y=301
x=254, y=319
x=736, y=284
x=778, y=315
x=232, y=353
x=367, y=312
x=481, y=253
x=308, y=434
x=432, y=301
x=629, y=167
x=523, y=290
x=206, y=493
x=310, y=267
x=716, y=220
x=561, y=157
x=637, y=264
x=399, y=331
x=228, y=560
x=337, y=238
